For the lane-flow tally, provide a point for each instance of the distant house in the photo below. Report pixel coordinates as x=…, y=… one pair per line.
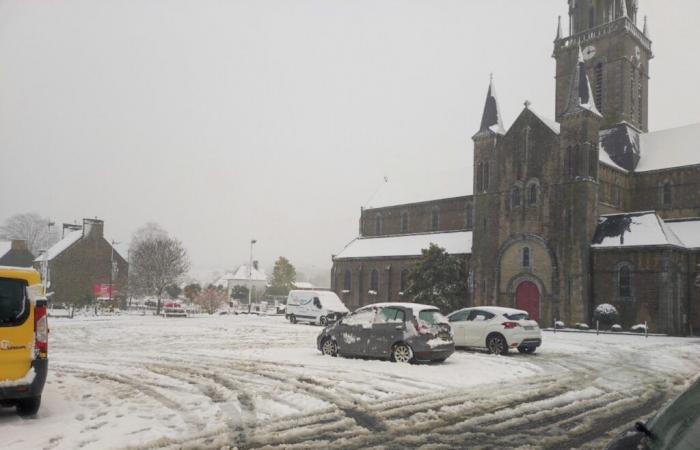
x=83, y=262
x=256, y=280
x=15, y=253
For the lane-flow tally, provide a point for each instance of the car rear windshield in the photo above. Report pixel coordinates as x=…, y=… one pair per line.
x=432, y=317
x=14, y=305
x=517, y=316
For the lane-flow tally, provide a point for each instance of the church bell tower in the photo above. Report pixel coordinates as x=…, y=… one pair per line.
x=616, y=54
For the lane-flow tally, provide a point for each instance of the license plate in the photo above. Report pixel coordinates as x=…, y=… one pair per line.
x=444, y=336
x=528, y=327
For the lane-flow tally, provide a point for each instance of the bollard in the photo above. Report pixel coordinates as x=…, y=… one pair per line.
x=597, y=327
x=646, y=330
x=555, y=325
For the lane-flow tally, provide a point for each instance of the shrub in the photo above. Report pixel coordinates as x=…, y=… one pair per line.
x=606, y=314
x=616, y=328
x=582, y=326
x=639, y=328
x=559, y=324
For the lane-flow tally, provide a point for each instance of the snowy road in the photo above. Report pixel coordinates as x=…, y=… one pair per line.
x=258, y=382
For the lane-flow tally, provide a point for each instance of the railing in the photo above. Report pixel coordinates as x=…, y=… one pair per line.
x=623, y=23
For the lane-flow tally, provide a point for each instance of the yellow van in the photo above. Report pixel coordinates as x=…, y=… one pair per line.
x=24, y=333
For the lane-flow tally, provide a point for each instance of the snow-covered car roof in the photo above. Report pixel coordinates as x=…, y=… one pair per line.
x=493, y=309
x=416, y=307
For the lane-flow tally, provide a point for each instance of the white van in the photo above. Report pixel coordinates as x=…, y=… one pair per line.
x=319, y=307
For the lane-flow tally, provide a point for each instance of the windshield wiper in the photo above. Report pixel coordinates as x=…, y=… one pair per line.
x=642, y=428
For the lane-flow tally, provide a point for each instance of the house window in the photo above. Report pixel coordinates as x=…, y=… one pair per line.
x=435, y=219
x=624, y=282
x=667, y=193
x=526, y=257
x=515, y=197
x=469, y=215
x=347, y=280
x=404, y=280
x=374, y=281
x=378, y=225
x=404, y=222
x=532, y=195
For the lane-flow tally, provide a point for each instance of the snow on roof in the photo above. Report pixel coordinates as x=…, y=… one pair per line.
x=5, y=247
x=554, y=126
x=408, y=245
x=605, y=159
x=416, y=307
x=255, y=274
x=676, y=147
x=688, y=231
x=60, y=246
x=404, y=188
x=634, y=230
x=303, y=285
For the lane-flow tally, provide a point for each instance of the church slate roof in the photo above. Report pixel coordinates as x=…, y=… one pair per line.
x=640, y=229
x=580, y=92
x=491, y=119
x=455, y=243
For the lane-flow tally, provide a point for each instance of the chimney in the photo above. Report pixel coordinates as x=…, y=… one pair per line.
x=19, y=244
x=93, y=227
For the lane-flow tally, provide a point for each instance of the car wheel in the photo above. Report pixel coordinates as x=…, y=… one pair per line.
x=329, y=347
x=527, y=349
x=497, y=344
x=323, y=321
x=28, y=406
x=293, y=318
x=402, y=353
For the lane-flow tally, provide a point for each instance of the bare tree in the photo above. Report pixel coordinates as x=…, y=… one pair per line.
x=157, y=261
x=30, y=227
x=211, y=299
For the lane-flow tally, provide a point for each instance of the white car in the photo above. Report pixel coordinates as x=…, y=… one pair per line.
x=496, y=329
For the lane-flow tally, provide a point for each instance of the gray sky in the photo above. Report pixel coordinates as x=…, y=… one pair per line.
x=222, y=120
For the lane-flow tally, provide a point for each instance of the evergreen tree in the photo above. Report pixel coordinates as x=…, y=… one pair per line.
x=173, y=291
x=239, y=293
x=439, y=279
x=283, y=277
x=192, y=291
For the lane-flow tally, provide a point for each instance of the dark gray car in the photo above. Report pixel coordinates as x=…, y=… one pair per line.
x=402, y=332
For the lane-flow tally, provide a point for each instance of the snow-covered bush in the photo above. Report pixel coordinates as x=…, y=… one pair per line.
x=616, y=328
x=559, y=324
x=639, y=328
x=606, y=313
x=582, y=326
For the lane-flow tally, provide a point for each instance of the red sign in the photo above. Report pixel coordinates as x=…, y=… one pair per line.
x=100, y=290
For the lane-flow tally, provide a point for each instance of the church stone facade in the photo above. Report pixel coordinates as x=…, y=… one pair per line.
x=565, y=214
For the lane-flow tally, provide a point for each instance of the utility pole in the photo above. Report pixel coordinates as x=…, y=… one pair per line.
x=112, y=271
x=250, y=276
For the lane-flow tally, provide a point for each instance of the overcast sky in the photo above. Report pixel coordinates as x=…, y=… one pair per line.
x=226, y=120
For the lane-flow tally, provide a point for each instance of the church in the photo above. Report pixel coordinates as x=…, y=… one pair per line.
x=565, y=214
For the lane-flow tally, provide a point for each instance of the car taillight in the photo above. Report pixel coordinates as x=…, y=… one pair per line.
x=510, y=325
x=41, y=328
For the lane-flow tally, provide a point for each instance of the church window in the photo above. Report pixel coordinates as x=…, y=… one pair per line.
x=404, y=222
x=374, y=281
x=515, y=197
x=573, y=155
x=526, y=257
x=518, y=169
x=378, y=224
x=480, y=177
x=591, y=17
x=593, y=162
x=469, y=215
x=347, y=281
x=624, y=283
x=599, y=86
x=667, y=194
x=486, y=176
x=532, y=194
x=435, y=219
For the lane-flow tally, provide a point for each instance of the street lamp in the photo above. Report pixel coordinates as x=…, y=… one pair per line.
x=250, y=276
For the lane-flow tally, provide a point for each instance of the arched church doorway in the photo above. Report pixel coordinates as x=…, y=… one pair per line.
x=527, y=298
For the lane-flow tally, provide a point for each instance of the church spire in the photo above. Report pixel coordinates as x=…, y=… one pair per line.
x=646, y=27
x=580, y=93
x=560, y=34
x=491, y=119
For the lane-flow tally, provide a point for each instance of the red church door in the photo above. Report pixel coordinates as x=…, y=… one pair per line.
x=527, y=298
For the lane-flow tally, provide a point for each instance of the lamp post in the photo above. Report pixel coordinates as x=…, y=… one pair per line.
x=250, y=276
x=112, y=272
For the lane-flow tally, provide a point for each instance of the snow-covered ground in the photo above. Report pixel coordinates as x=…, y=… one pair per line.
x=249, y=382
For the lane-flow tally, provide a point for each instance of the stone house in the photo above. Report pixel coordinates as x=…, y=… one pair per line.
x=15, y=253
x=82, y=259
